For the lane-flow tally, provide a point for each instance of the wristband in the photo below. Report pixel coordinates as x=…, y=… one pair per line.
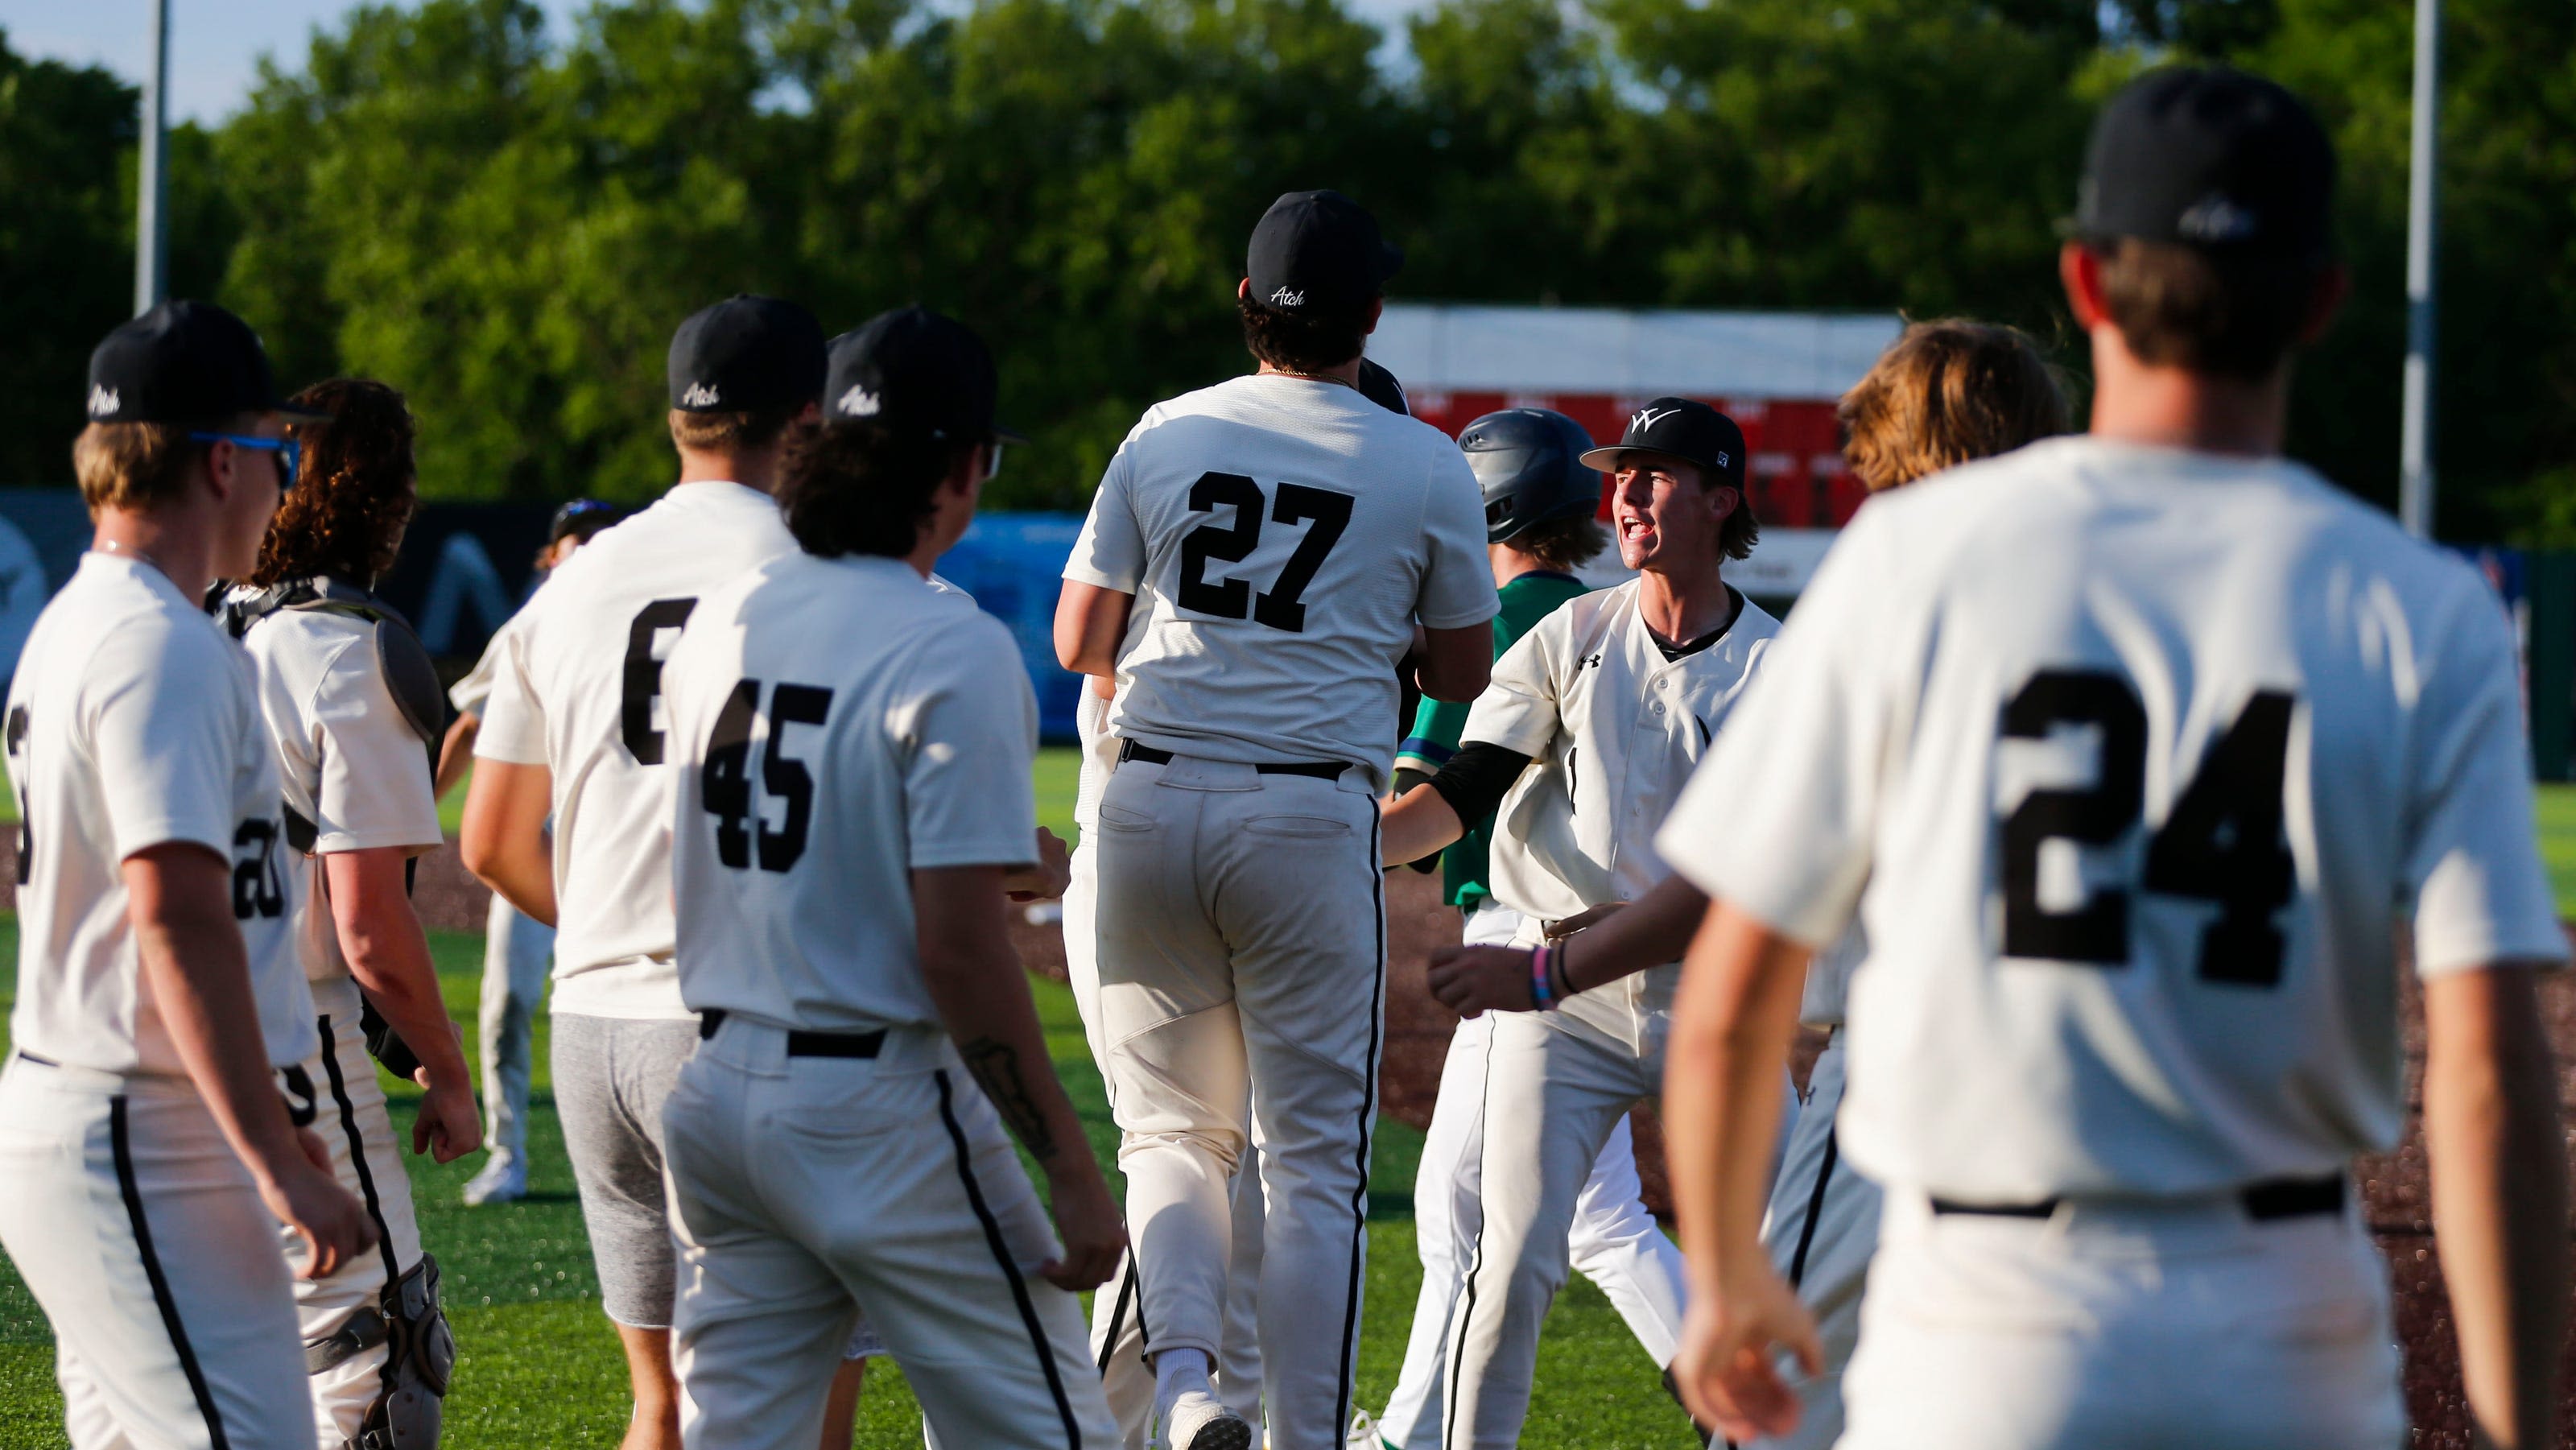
x=1542, y=981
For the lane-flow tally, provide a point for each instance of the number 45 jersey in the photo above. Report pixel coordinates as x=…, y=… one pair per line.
x=836, y=724
x=1282, y=536
x=2134, y=762
x=580, y=692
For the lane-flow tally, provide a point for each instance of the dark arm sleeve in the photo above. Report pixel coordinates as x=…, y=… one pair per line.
x=1474, y=780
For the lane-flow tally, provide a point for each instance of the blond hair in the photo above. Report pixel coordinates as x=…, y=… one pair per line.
x=1944, y=393
x=132, y=465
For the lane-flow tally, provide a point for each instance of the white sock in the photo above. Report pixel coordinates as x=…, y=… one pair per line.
x=1179, y=1371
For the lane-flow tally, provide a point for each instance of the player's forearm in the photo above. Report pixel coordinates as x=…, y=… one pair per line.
x=191, y=954
x=456, y=752
x=1089, y=623
x=982, y=996
x=2499, y=1186
x=1416, y=825
x=1648, y=932
x=388, y=953
x=1732, y=1018
x=503, y=840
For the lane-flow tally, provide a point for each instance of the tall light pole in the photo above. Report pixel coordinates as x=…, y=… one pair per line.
x=2415, y=437
x=151, y=227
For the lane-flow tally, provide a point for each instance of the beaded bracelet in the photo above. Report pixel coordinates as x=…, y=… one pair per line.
x=1542, y=982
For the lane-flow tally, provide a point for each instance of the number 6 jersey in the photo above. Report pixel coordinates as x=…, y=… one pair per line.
x=1282, y=536
x=134, y=722
x=2144, y=757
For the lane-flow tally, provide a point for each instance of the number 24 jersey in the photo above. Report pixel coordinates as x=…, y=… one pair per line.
x=2142, y=756
x=1282, y=536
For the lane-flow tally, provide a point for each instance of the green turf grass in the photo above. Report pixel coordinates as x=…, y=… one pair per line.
x=539, y=1366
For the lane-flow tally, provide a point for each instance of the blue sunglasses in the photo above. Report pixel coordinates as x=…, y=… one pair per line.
x=289, y=452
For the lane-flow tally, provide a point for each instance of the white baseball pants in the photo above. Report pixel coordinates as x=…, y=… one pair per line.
x=803, y=1187
x=1822, y=1229
x=2124, y=1326
x=351, y=1120
x=1242, y=970
x=1118, y=1337
x=517, y=950
x=141, y=1236
x=1614, y=1241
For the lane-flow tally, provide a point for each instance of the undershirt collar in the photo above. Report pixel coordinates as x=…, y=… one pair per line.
x=1673, y=653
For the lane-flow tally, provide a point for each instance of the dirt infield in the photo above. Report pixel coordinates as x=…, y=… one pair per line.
x=2394, y=1186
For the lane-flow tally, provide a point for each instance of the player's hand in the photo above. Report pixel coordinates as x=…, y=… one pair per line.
x=1046, y=880
x=449, y=1126
x=307, y=1198
x=1726, y=1366
x=1566, y=926
x=1472, y=981
x=1086, y=1217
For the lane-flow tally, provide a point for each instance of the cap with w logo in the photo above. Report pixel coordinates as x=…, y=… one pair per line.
x=747, y=354
x=1683, y=429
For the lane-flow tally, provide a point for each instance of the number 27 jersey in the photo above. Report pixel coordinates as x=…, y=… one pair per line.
x=1281, y=537
x=2143, y=756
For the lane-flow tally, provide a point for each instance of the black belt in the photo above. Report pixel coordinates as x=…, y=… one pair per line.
x=1312, y=769
x=808, y=1044
x=2264, y=1202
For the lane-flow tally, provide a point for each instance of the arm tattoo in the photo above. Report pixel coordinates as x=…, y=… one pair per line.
x=997, y=1067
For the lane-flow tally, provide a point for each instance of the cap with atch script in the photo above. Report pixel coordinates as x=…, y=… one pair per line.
x=1680, y=428
x=1318, y=249
x=2209, y=157
x=747, y=354
x=182, y=362
x=913, y=369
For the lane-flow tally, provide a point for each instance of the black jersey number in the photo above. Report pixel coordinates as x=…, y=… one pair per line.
x=259, y=886
x=1325, y=513
x=724, y=781
x=2221, y=843
x=641, y=684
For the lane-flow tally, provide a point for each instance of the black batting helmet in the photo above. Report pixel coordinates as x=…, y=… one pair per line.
x=1530, y=463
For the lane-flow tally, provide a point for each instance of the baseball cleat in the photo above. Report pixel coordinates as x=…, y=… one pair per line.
x=503, y=1180
x=1199, y=1421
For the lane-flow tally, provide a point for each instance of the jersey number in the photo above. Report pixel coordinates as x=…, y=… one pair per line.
x=2222, y=842
x=1283, y=606
x=17, y=742
x=724, y=782
x=642, y=682
x=258, y=888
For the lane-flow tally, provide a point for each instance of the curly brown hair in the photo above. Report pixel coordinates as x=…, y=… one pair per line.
x=352, y=496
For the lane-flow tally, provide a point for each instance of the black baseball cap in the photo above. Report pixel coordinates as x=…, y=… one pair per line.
x=583, y=519
x=1680, y=428
x=2209, y=157
x=913, y=369
x=747, y=354
x=1318, y=249
x=183, y=362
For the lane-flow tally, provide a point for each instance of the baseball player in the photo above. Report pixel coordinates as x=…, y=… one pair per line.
x=1615, y=698
x=575, y=731
x=516, y=946
x=849, y=805
x=1944, y=393
x=1255, y=563
x=147, y=1139
x=2127, y=749
x=352, y=704
x=1540, y=502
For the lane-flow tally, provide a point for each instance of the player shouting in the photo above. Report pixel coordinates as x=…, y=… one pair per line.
x=1594, y=720
x=148, y=1151
x=1255, y=563
x=352, y=703
x=2127, y=749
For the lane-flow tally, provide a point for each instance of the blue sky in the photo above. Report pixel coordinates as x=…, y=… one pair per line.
x=215, y=44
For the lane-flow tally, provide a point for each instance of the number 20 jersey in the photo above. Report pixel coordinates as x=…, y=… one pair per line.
x=1281, y=537
x=2133, y=760
x=580, y=692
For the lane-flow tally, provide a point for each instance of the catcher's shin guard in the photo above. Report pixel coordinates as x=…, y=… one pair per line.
x=420, y=1353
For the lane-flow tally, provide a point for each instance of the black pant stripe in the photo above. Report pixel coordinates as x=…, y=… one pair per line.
x=1010, y=1270
x=1815, y=1207
x=1368, y=1122
x=358, y=1157
x=1118, y=1312
x=1459, y=1323
x=121, y=1142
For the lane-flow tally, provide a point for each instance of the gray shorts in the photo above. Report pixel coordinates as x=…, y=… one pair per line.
x=611, y=1075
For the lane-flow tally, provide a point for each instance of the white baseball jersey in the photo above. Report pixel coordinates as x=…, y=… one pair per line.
x=470, y=692
x=1282, y=536
x=133, y=722
x=582, y=695
x=1099, y=757
x=354, y=775
x=2139, y=755
x=816, y=769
